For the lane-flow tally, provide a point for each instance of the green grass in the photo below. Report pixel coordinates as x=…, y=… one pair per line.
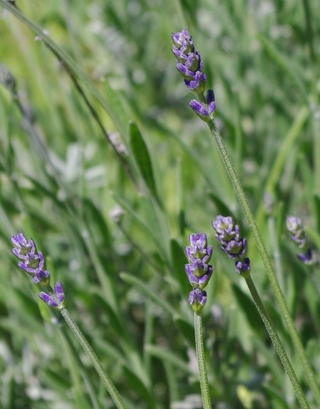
x=125, y=283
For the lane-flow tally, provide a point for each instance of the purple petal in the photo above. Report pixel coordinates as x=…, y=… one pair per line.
x=200, y=109
x=58, y=289
x=243, y=266
x=197, y=300
x=187, y=74
x=306, y=258
x=48, y=299
x=19, y=240
x=197, y=83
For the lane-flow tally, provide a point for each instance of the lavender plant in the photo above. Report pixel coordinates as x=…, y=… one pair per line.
x=190, y=66
x=60, y=112
x=297, y=234
x=33, y=263
x=199, y=273
x=228, y=234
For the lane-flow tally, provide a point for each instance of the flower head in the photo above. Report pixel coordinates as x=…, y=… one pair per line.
x=189, y=62
x=31, y=260
x=198, y=270
x=297, y=234
x=228, y=234
x=190, y=66
x=55, y=299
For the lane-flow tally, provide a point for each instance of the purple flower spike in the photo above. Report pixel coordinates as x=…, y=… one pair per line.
x=198, y=271
x=55, y=300
x=197, y=300
x=182, y=41
x=228, y=233
x=297, y=234
x=31, y=260
x=307, y=257
x=295, y=228
x=23, y=247
x=189, y=62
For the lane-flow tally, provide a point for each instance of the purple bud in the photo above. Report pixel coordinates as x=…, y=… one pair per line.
x=204, y=111
x=58, y=290
x=210, y=96
x=198, y=240
x=225, y=228
x=198, y=249
x=193, y=62
x=182, y=40
x=235, y=249
x=42, y=277
x=22, y=246
x=295, y=228
x=197, y=300
x=48, y=299
x=185, y=72
x=55, y=299
x=198, y=280
x=197, y=83
x=306, y=258
x=180, y=55
x=228, y=233
x=197, y=268
x=243, y=267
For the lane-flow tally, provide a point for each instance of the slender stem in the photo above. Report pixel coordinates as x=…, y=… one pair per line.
x=277, y=344
x=201, y=362
x=276, y=252
x=266, y=261
x=94, y=360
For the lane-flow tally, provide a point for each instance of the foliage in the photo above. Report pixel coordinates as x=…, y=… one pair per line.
x=61, y=183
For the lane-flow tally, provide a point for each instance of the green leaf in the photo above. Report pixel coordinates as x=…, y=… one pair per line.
x=142, y=157
x=248, y=308
x=178, y=259
x=173, y=359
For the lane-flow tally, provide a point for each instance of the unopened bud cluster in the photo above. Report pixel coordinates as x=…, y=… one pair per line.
x=297, y=234
x=198, y=270
x=228, y=234
x=32, y=262
x=190, y=66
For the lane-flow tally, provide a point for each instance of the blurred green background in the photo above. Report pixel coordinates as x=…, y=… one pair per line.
x=124, y=279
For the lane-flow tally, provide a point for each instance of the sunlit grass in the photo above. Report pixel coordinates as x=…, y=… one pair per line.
x=59, y=180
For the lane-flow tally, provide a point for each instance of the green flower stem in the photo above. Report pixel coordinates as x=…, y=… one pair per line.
x=277, y=344
x=201, y=362
x=266, y=260
x=94, y=360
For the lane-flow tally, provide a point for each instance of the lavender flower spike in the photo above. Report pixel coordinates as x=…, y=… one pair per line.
x=189, y=62
x=198, y=270
x=31, y=260
x=55, y=299
x=297, y=234
x=228, y=234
